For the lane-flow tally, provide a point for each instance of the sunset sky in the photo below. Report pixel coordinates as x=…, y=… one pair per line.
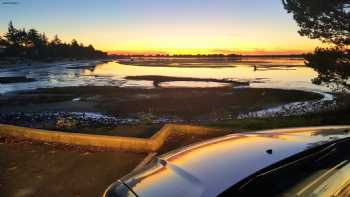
x=164, y=26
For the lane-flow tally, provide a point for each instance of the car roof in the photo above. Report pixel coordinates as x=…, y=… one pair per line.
x=211, y=167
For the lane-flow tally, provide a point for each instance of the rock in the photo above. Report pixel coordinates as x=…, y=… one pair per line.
x=66, y=123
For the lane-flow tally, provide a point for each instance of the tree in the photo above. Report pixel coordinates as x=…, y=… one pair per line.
x=12, y=35
x=22, y=37
x=56, y=40
x=16, y=40
x=332, y=66
x=32, y=44
x=326, y=20
x=37, y=44
x=33, y=38
x=55, y=47
x=3, y=42
x=44, y=39
x=74, y=43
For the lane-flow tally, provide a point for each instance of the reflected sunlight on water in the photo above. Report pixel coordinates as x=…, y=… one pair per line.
x=274, y=73
x=261, y=72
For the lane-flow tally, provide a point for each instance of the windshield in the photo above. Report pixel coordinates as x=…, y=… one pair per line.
x=322, y=173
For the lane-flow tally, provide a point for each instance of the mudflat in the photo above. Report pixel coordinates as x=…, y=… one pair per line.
x=43, y=108
x=182, y=102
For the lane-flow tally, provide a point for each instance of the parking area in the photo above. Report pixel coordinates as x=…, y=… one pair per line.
x=38, y=169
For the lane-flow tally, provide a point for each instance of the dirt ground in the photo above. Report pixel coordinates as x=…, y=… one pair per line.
x=34, y=169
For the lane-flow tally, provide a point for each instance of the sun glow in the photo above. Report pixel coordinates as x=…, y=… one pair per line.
x=193, y=45
x=166, y=27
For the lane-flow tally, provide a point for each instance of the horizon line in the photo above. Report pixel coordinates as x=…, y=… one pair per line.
x=205, y=55
x=163, y=53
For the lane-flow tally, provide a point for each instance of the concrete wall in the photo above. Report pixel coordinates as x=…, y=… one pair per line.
x=112, y=142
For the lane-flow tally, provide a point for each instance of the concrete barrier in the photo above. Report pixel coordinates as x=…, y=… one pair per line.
x=160, y=137
x=112, y=142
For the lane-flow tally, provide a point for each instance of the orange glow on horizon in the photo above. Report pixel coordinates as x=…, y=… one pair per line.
x=195, y=39
x=209, y=51
x=167, y=27
x=218, y=46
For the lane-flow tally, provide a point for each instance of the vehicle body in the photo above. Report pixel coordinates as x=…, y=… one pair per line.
x=245, y=163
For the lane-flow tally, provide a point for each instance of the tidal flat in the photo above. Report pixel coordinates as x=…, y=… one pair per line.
x=103, y=106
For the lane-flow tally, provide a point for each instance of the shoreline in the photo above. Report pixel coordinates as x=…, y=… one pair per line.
x=327, y=103
x=204, y=62
x=157, y=80
x=38, y=63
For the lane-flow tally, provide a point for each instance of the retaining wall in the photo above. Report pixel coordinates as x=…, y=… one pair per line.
x=112, y=142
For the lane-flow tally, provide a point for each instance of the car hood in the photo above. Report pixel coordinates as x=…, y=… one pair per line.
x=211, y=167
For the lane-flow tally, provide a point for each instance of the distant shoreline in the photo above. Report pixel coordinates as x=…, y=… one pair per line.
x=17, y=62
x=234, y=56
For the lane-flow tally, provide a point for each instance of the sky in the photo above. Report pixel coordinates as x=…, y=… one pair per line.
x=163, y=26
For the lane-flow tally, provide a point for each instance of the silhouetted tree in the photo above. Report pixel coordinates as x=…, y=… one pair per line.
x=56, y=41
x=12, y=35
x=3, y=42
x=14, y=39
x=74, y=43
x=32, y=44
x=332, y=66
x=55, y=46
x=44, y=39
x=328, y=21
x=3, y=45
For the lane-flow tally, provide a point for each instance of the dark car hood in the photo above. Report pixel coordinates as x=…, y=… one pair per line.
x=209, y=168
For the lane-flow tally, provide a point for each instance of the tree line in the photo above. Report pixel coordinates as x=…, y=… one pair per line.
x=33, y=45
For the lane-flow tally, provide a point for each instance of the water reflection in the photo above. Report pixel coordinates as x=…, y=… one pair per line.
x=261, y=72
x=275, y=73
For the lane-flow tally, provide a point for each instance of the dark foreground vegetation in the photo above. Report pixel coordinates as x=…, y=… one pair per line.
x=33, y=45
x=332, y=66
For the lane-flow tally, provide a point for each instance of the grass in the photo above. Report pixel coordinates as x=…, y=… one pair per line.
x=340, y=117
